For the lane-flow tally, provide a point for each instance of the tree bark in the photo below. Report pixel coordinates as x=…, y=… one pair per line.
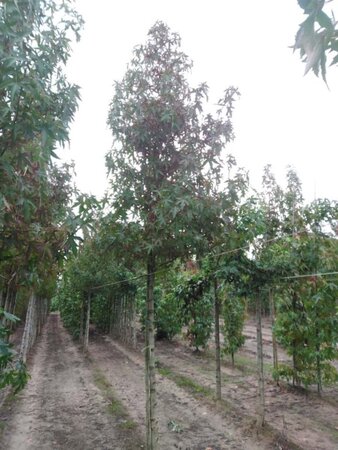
x=2, y=298
x=82, y=314
x=294, y=347
x=133, y=321
x=151, y=424
x=217, y=343
x=86, y=333
x=260, y=367
x=318, y=367
x=274, y=342
x=25, y=341
x=12, y=310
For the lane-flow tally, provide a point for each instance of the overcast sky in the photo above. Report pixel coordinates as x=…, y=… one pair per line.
x=281, y=118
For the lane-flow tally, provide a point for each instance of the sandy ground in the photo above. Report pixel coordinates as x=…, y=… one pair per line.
x=61, y=408
x=200, y=426
x=307, y=420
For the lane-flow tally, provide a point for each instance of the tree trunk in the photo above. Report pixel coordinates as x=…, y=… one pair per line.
x=82, y=314
x=12, y=311
x=274, y=342
x=86, y=332
x=294, y=347
x=133, y=321
x=7, y=300
x=318, y=367
x=260, y=368
x=217, y=343
x=110, y=326
x=38, y=316
x=151, y=424
x=25, y=341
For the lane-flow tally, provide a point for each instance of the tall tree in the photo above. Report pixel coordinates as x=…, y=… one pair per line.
x=37, y=104
x=165, y=159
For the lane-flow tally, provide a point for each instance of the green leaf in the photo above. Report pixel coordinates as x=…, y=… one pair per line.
x=11, y=317
x=324, y=21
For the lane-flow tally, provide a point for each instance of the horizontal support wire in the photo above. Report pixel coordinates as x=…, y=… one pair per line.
x=213, y=255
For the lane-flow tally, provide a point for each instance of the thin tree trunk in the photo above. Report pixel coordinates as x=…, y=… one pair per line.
x=26, y=333
x=319, y=370
x=295, y=379
x=7, y=300
x=38, y=316
x=33, y=327
x=118, y=318
x=13, y=306
x=217, y=344
x=133, y=321
x=260, y=367
x=86, y=333
x=114, y=318
x=2, y=298
x=274, y=341
x=124, y=320
x=151, y=424
x=82, y=314
x=111, y=317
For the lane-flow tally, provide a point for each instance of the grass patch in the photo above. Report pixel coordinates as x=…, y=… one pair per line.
x=101, y=381
x=115, y=407
x=128, y=425
x=208, y=395
x=164, y=371
x=185, y=382
x=191, y=385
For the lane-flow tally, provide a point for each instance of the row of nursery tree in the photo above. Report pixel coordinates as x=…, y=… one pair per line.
x=182, y=242
x=37, y=224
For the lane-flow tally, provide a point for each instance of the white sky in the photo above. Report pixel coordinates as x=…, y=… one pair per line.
x=281, y=118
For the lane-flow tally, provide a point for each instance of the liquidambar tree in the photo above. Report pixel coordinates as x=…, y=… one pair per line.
x=164, y=163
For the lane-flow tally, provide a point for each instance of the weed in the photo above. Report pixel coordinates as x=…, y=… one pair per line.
x=164, y=371
x=127, y=424
x=174, y=426
x=115, y=407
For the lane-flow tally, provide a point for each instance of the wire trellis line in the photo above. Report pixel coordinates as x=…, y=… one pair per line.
x=214, y=255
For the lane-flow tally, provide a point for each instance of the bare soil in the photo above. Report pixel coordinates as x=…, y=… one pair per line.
x=63, y=407
x=198, y=426
x=303, y=418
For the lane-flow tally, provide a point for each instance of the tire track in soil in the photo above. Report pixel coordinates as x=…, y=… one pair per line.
x=202, y=427
x=60, y=408
x=306, y=422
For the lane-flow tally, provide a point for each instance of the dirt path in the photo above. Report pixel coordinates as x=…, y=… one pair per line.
x=198, y=426
x=61, y=408
x=309, y=421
